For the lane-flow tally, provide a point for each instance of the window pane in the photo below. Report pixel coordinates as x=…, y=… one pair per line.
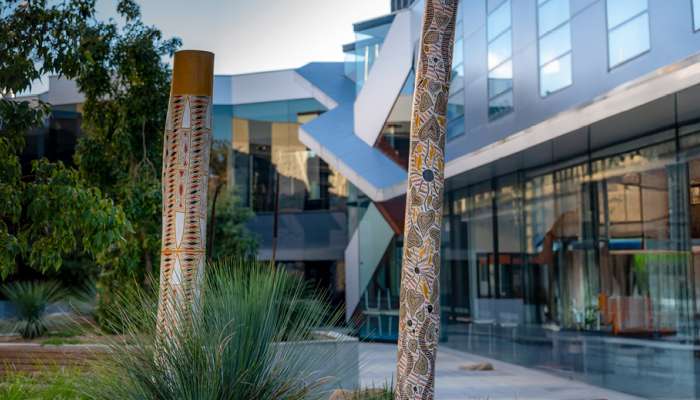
x=499, y=20
x=552, y=14
x=696, y=14
x=622, y=10
x=555, y=43
x=455, y=106
x=455, y=128
x=555, y=75
x=501, y=79
x=492, y=4
x=457, y=56
x=629, y=40
x=457, y=79
x=500, y=50
x=501, y=105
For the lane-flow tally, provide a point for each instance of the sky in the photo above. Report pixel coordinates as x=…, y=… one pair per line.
x=255, y=35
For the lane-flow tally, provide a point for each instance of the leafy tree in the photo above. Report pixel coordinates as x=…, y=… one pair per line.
x=126, y=85
x=49, y=213
x=228, y=236
x=112, y=212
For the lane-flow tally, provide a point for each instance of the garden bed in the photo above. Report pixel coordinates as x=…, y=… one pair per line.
x=35, y=357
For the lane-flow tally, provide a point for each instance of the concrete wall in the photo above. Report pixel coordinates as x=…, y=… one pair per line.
x=672, y=39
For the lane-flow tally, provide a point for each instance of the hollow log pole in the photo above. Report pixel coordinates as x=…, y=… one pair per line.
x=419, y=315
x=186, y=149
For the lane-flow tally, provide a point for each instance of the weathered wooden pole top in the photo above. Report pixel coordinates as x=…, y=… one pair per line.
x=193, y=73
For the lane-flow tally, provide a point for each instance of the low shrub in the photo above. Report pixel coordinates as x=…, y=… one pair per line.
x=30, y=300
x=234, y=344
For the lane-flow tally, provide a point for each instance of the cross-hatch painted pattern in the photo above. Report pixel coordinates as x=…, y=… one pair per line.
x=419, y=318
x=185, y=176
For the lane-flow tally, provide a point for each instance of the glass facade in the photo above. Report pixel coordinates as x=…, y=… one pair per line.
x=500, y=51
x=395, y=136
x=586, y=268
x=369, y=37
x=263, y=139
x=628, y=30
x=56, y=140
x=554, y=32
x=455, y=104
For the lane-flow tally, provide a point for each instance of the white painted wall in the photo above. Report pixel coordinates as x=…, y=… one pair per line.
x=267, y=86
x=388, y=75
x=63, y=91
x=363, y=254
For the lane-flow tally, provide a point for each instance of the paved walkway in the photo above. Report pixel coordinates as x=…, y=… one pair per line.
x=505, y=382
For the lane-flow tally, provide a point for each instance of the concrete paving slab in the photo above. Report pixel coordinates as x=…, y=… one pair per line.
x=505, y=382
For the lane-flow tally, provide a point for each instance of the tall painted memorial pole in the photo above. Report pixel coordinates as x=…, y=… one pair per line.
x=419, y=316
x=186, y=148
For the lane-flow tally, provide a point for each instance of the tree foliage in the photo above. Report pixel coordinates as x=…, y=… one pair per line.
x=107, y=209
x=230, y=236
x=126, y=85
x=49, y=213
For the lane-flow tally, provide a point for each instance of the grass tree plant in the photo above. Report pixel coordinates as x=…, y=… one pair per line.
x=239, y=343
x=31, y=300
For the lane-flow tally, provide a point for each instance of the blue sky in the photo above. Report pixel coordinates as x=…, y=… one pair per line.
x=257, y=35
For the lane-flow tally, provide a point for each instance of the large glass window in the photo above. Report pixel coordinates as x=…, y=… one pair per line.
x=369, y=36
x=395, y=137
x=510, y=229
x=455, y=104
x=596, y=255
x=554, y=31
x=269, y=161
x=696, y=14
x=500, y=52
x=628, y=30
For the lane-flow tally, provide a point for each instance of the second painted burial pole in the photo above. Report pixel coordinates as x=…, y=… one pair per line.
x=186, y=148
x=419, y=316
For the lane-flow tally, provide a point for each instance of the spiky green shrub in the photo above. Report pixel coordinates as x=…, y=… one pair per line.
x=235, y=344
x=30, y=300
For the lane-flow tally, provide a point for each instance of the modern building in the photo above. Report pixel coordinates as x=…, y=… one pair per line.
x=57, y=139
x=571, y=237
x=256, y=119
x=572, y=203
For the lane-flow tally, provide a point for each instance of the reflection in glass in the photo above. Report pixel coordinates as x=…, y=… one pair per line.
x=455, y=103
x=500, y=50
x=590, y=267
x=499, y=20
x=555, y=75
x=455, y=106
x=458, y=53
x=501, y=79
x=266, y=146
x=643, y=264
x=455, y=127
x=501, y=105
x=554, y=46
x=620, y=11
x=555, y=43
x=696, y=14
x=510, y=229
x=395, y=136
x=551, y=14
x=455, y=114
x=629, y=39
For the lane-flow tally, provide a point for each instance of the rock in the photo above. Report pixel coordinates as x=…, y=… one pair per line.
x=482, y=366
x=341, y=394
